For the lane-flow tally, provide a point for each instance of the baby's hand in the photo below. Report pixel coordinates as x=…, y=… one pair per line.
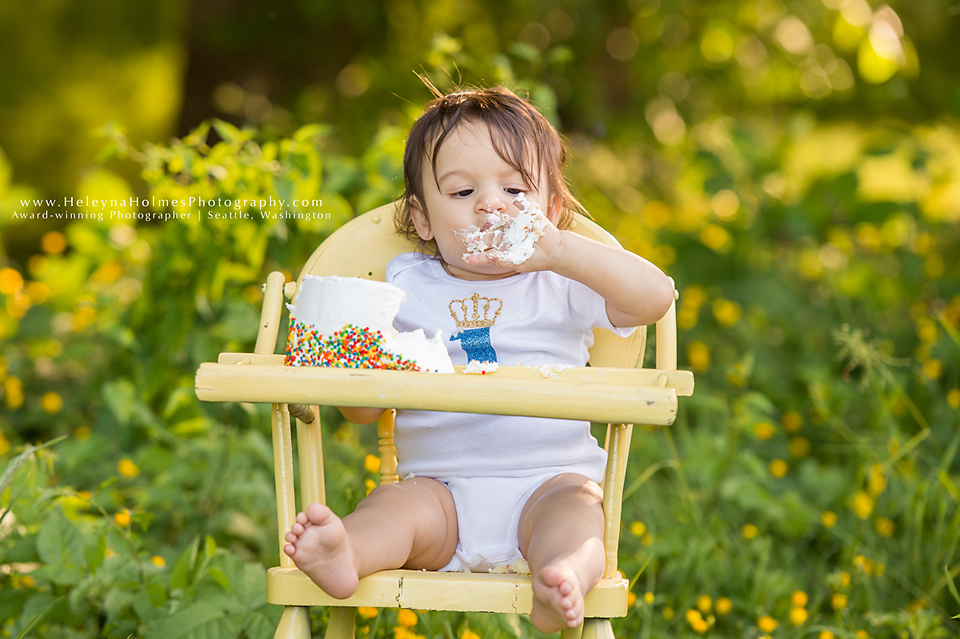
x=522, y=242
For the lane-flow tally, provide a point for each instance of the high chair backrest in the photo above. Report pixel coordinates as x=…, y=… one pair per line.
x=375, y=232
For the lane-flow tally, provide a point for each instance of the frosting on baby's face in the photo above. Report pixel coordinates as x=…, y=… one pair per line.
x=511, y=239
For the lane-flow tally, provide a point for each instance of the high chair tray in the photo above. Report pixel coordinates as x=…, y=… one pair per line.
x=618, y=395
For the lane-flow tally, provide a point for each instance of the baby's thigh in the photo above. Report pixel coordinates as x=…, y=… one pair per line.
x=568, y=498
x=421, y=507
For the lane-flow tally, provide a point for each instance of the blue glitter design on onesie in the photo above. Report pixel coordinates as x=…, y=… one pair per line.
x=476, y=343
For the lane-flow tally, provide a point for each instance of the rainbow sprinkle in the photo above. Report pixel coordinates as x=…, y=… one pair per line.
x=350, y=347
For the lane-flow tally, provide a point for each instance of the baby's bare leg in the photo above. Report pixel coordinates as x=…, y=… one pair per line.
x=561, y=536
x=412, y=524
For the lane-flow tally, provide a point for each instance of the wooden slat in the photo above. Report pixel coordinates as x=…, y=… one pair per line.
x=422, y=590
x=561, y=398
x=681, y=381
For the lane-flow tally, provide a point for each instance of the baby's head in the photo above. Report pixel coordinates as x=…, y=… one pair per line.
x=520, y=135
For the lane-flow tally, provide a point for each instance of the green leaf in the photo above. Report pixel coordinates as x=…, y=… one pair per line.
x=61, y=549
x=199, y=620
x=182, y=576
x=220, y=577
x=950, y=584
x=39, y=617
x=210, y=547
x=227, y=132
x=95, y=558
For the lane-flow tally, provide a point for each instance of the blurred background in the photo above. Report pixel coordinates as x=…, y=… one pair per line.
x=794, y=166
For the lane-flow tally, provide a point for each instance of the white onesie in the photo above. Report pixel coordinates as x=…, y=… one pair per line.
x=493, y=463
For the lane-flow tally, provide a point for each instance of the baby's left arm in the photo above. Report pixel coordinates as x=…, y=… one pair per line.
x=636, y=291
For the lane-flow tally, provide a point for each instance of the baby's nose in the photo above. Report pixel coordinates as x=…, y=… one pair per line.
x=492, y=205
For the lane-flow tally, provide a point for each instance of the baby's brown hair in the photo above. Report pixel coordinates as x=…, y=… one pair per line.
x=520, y=134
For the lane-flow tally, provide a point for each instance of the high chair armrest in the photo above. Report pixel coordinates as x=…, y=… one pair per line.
x=641, y=396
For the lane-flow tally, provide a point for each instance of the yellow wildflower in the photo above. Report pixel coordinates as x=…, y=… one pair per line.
x=862, y=505
x=122, y=518
x=799, y=599
x=698, y=355
x=82, y=433
x=369, y=485
x=876, y=483
x=27, y=581
x=724, y=606
x=933, y=368
x=648, y=597
x=825, y=634
x=798, y=616
x=953, y=398
x=764, y=430
x=884, y=527
x=10, y=281
x=53, y=243
x=767, y=623
x=647, y=539
x=727, y=313
x=127, y=468
x=367, y=611
x=469, y=634
x=844, y=579
x=371, y=463
x=828, y=518
x=406, y=618
x=749, y=531
x=791, y=421
x=779, y=468
x=4, y=444
x=693, y=615
x=668, y=613
x=51, y=403
x=13, y=392
x=862, y=634
x=638, y=529
x=799, y=447
x=158, y=561
x=700, y=626
x=704, y=603
x=631, y=599
x=838, y=601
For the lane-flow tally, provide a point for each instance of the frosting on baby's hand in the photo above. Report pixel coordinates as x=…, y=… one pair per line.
x=514, y=239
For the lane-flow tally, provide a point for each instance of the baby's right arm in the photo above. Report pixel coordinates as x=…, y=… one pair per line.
x=361, y=414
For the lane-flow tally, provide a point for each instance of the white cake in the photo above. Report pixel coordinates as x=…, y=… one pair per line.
x=348, y=322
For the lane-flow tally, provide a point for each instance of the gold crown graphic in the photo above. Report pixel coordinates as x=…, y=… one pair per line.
x=466, y=312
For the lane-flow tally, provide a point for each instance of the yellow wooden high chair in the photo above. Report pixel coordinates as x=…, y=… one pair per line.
x=614, y=389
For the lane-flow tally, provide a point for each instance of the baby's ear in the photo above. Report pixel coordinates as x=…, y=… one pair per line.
x=420, y=220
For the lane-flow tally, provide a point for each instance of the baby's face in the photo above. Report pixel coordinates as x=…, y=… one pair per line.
x=473, y=181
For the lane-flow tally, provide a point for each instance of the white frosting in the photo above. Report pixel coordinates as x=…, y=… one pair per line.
x=475, y=367
x=513, y=239
x=327, y=304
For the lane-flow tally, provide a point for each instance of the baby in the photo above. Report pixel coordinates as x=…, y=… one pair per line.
x=481, y=491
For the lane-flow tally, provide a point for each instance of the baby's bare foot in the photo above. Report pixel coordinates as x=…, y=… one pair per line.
x=557, y=600
x=318, y=544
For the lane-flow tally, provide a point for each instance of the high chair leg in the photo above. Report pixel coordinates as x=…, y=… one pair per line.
x=572, y=633
x=294, y=624
x=341, y=623
x=597, y=629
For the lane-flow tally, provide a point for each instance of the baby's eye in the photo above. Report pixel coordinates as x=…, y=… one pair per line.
x=513, y=191
x=463, y=193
